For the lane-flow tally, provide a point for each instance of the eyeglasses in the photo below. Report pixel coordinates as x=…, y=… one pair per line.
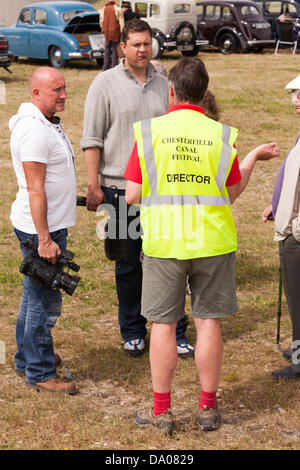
x=295, y=94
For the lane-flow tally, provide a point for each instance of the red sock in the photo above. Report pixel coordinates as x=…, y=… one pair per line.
x=208, y=399
x=161, y=402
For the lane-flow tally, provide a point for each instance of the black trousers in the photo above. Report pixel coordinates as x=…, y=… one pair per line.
x=110, y=55
x=289, y=252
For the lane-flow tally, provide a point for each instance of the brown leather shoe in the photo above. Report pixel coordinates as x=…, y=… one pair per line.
x=55, y=385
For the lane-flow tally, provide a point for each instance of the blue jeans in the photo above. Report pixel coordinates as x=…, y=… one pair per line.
x=38, y=313
x=128, y=274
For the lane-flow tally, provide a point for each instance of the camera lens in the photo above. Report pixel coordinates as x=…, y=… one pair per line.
x=68, y=283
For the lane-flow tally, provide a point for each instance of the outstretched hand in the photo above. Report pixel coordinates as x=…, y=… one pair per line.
x=267, y=151
x=267, y=214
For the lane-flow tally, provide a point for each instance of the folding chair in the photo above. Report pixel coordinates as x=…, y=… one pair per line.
x=285, y=31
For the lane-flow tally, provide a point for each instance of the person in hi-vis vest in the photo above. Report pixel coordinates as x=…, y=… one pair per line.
x=184, y=172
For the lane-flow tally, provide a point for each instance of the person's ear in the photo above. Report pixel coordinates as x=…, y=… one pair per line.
x=123, y=47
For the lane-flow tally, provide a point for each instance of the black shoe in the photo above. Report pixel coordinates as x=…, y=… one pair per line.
x=287, y=355
x=286, y=374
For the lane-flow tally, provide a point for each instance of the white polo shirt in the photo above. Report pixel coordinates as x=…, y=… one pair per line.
x=35, y=139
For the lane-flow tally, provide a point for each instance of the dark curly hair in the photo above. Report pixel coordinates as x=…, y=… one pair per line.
x=210, y=106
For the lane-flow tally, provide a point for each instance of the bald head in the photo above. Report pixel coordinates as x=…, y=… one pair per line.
x=48, y=90
x=43, y=75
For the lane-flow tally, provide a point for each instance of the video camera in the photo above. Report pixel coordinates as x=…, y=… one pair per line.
x=48, y=275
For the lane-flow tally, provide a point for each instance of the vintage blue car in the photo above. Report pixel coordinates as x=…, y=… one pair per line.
x=58, y=31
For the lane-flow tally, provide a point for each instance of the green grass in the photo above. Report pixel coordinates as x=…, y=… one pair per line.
x=251, y=95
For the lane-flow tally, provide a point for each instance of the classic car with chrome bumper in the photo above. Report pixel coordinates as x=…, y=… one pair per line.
x=58, y=31
x=234, y=25
x=6, y=56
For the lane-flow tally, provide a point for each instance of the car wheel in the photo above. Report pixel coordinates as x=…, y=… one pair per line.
x=228, y=44
x=100, y=62
x=56, y=57
x=157, y=47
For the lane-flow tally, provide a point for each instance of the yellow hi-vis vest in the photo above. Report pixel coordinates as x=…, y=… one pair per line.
x=185, y=159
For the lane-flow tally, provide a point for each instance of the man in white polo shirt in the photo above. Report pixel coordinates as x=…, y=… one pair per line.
x=44, y=208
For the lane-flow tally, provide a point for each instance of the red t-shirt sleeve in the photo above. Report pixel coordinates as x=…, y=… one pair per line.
x=235, y=175
x=133, y=170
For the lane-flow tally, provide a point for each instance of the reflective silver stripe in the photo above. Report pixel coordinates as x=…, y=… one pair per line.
x=181, y=200
x=224, y=158
x=184, y=200
x=149, y=156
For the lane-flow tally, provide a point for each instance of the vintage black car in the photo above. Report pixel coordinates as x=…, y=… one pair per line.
x=273, y=9
x=233, y=25
x=5, y=54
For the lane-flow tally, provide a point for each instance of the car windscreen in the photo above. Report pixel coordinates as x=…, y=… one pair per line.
x=249, y=11
x=68, y=15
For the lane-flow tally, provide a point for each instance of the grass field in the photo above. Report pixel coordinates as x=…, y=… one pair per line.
x=258, y=413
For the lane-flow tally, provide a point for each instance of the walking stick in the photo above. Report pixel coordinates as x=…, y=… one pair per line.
x=279, y=310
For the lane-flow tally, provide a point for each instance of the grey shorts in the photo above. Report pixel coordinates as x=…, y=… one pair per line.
x=211, y=281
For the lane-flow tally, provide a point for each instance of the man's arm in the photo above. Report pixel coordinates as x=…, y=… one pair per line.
x=35, y=174
x=262, y=152
x=95, y=195
x=133, y=192
x=133, y=175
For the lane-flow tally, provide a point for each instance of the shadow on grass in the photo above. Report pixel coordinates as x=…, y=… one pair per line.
x=108, y=364
x=251, y=404
x=10, y=78
x=246, y=320
x=260, y=394
x=251, y=272
x=80, y=65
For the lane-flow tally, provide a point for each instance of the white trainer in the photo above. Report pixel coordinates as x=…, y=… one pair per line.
x=134, y=347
